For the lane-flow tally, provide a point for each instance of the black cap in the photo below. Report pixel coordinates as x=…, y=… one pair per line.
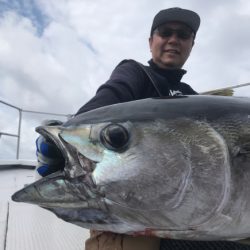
x=190, y=18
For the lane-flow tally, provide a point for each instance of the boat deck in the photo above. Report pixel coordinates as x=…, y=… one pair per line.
x=29, y=227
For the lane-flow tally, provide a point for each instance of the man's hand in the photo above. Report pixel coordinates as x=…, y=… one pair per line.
x=49, y=157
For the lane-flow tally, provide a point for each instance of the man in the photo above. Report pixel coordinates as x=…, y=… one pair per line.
x=171, y=40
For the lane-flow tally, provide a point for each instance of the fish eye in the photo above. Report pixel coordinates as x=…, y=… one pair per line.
x=114, y=137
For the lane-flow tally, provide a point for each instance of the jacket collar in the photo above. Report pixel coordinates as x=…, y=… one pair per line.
x=173, y=75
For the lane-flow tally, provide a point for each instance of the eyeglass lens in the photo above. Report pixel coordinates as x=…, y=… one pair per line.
x=181, y=33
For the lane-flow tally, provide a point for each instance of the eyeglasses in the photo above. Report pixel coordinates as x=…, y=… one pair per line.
x=165, y=32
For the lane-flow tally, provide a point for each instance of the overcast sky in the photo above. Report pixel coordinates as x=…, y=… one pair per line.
x=55, y=54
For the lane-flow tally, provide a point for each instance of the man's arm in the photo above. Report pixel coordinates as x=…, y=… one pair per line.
x=126, y=83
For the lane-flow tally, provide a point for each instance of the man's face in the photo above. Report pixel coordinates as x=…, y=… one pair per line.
x=171, y=45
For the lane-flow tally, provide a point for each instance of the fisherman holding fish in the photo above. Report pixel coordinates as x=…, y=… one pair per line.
x=171, y=40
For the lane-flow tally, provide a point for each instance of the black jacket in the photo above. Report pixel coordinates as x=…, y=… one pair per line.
x=129, y=82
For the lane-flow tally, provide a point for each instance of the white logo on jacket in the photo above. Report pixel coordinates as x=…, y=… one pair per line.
x=175, y=92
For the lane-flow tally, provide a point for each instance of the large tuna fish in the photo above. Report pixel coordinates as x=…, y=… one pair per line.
x=174, y=167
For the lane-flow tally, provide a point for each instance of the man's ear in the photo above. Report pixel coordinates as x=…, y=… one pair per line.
x=150, y=40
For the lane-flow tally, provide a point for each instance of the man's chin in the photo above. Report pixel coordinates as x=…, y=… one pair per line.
x=170, y=65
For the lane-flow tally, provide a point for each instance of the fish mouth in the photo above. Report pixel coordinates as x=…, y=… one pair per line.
x=76, y=164
x=70, y=187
